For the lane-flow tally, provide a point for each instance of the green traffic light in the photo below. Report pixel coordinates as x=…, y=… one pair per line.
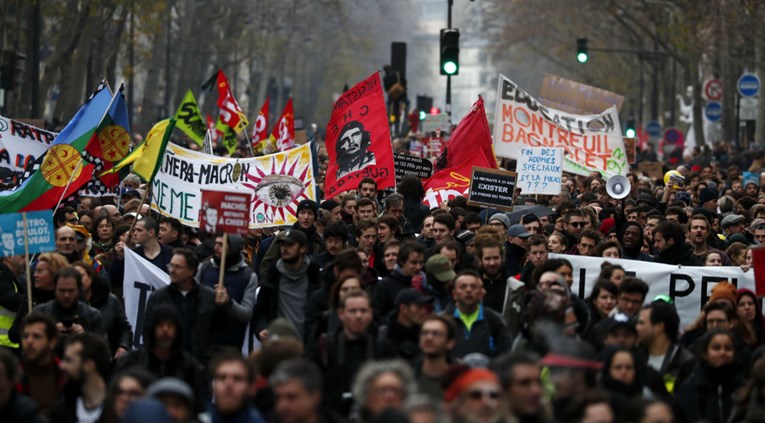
x=630, y=133
x=422, y=114
x=450, y=68
x=582, y=57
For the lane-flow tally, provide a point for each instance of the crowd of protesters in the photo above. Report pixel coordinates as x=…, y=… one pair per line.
x=373, y=307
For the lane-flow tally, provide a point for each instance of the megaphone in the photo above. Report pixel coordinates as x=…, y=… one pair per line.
x=618, y=187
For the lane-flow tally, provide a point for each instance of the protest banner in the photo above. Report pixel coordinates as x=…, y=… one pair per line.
x=411, y=165
x=654, y=170
x=689, y=286
x=141, y=279
x=435, y=146
x=225, y=212
x=452, y=181
x=358, y=140
x=492, y=188
x=40, y=233
x=540, y=170
x=278, y=183
x=436, y=122
x=21, y=144
x=575, y=97
x=592, y=143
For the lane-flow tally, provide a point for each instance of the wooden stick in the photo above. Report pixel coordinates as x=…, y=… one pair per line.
x=223, y=260
x=138, y=213
x=71, y=177
x=26, y=259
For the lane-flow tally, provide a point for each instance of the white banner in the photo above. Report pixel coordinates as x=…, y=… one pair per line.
x=278, y=183
x=21, y=143
x=592, y=143
x=141, y=278
x=540, y=170
x=690, y=287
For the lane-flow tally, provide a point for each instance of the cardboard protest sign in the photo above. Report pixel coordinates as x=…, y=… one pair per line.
x=592, y=143
x=141, y=279
x=492, y=188
x=540, y=170
x=631, y=150
x=655, y=170
x=575, y=97
x=435, y=146
x=225, y=212
x=358, y=140
x=21, y=143
x=40, y=233
x=411, y=165
x=690, y=287
x=277, y=182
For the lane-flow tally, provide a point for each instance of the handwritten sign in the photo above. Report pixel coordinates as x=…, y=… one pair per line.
x=492, y=188
x=411, y=165
x=540, y=170
x=40, y=233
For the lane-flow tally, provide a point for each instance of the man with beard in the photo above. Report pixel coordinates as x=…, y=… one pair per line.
x=232, y=389
x=493, y=273
x=351, y=149
x=86, y=363
x=335, y=240
x=72, y=316
x=520, y=373
x=658, y=326
x=631, y=238
x=573, y=224
x=473, y=395
x=42, y=380
x=236, y=294
x=162, y=353
x=698, y=234
x=436, y=342
x=670, y=246
x=291, y=281
x=403, y=328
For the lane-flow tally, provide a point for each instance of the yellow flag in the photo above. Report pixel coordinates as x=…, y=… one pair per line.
x=147, y=157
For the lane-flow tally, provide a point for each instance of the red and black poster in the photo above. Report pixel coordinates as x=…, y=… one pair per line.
x=358, y=140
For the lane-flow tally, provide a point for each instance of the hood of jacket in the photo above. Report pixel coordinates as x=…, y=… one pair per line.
x=234, y=255
x=164, y=313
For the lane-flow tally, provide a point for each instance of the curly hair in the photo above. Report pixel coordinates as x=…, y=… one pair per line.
x=372, y=370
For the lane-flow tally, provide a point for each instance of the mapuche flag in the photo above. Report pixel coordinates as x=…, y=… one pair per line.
x=112, y=141
x=283, y=135
x=471, y=135
x=358, y=140
x=147, y=157
x=50, y=180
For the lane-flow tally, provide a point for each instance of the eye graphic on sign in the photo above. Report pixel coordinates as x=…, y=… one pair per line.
x=279, y=190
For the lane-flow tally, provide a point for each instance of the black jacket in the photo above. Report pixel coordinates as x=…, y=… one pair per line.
x=385, y=292
x=201, y=319
x=11, y=290
x=88, y=317
x=488, y=335
x=117, y=326
x=19, y=409
x=38, y=297
x=708, y=394
x=678, y=254
x=404, y=341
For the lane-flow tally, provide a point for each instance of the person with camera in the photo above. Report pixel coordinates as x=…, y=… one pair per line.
x=72, y=316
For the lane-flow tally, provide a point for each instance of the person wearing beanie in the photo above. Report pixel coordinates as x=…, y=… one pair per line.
x=176, y=395
x=333, y=207
x=500, y=218
x=708, y=200
x=473, y=395
x=146, y=410
x=724, y=291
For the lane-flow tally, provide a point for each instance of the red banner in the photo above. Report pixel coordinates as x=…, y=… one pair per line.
x=454, y=181
x=283, y=136
x=471, y=135
x=358, y=140
x=260, y=128
x=225, y=212
x=230, y=113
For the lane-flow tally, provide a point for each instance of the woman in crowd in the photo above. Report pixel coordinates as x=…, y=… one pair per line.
x=750, y=313
x=708, y=393
x=103, y=241
x=557, y=243
x=609, y=249
x=602, y=300
x=613, y=272
x=123, y=389
x=713, y=258
x=737, y=253
x=622, y=375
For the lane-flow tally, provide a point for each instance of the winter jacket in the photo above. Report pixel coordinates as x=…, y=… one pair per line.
x=496, y=289
x=117, y=326
x=384, y=295
x=678, y=254
x=405, y=341
x=315, y=247
x=708, y=394
x=88, y=317
x=488, y=335
x=674, y=360
x=19, y=409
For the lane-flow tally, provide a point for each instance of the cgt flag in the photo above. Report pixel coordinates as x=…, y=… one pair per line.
x=454, y=181
x=283, y=136
x=260, y=128
x=358, y=140
x=471, y=134
x=230, y=113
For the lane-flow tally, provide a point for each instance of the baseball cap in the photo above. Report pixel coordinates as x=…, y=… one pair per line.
x=293, y=236
x=438, y=266
x=518, y=230
x=411, y=296
x=619, y=320
x=731, y=220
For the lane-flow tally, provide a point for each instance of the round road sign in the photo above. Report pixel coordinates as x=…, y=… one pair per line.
x=713, y=89
x=713, y=111
x=673, y=136
x=653, y=128
x=748, y=85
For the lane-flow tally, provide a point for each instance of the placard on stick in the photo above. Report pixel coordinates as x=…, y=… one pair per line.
x=225, y=212
x=39, y=233
x=492, y=188
x=540, y=170
x=411, y=165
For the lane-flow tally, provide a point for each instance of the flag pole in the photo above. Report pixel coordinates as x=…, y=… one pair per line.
x=138, y=213
x=26, y=260
x=71, y=177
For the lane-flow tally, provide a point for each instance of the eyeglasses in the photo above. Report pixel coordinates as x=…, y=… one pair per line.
x=478, y=394
x=577, y=224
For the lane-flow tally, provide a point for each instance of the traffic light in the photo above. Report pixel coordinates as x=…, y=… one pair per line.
x=11, y=67
x=582, y=53
x=630, y=130
x=450, y=51
x=424, y=104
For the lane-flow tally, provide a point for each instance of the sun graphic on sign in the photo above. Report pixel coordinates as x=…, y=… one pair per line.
x=281, y=190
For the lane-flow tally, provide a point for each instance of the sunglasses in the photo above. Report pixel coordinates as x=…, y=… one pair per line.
x=478, y=394
x=577, y=224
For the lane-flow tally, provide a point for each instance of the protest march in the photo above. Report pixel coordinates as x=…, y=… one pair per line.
x=528, y=263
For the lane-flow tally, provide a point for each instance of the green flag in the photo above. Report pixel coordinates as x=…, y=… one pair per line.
x=189, y=120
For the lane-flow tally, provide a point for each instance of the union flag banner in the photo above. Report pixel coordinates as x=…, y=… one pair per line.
x=454, y=181
x=470, y=135
x=260, y=127
x=230, y=113
x=358, y=140
x=591, y=143
x=283, y=136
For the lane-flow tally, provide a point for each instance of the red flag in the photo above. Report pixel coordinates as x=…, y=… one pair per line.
x=454, y=181
x=283, y=135
x=471, y=134
x=358, y=140
x=260, y=128
x=758, y=263
x=230, y=113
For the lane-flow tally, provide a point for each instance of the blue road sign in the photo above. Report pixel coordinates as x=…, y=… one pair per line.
x=748, y=85
x=654, y=129
x=713, y=111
